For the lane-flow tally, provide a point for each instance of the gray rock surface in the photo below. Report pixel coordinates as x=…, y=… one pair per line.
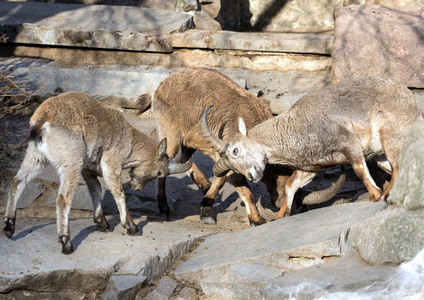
x=371, y=40
x=164, y=289
x=123, y=287
x=347, y=278
x=97, y=26
x=287, y=244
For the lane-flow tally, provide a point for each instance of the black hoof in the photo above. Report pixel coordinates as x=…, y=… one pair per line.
x=102, y=224
x=67, y=247
x=133, y=230
x=9, y=229
x=165, y=212
x=206, y=215
x=254, y=224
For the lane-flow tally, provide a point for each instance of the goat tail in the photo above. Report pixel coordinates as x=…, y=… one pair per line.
x=36, y=131
x=144, y=102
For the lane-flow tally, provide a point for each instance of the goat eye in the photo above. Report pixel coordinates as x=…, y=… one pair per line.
x=159, y=173
x=235, y=151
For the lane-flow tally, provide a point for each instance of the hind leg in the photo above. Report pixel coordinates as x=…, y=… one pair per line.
x=297, y=180
x=68, y=182
x=356, y=158
x=32, y=165
x=392, y=152
x=95, y=191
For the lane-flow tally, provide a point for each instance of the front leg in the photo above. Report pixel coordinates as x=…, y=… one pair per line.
x=95, y=191
x=163, y=206
x=112, y=176
x=206, y=213
x=243, y=189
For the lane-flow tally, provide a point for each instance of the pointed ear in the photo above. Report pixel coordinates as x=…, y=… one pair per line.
x=242, y=127
x=162, y=148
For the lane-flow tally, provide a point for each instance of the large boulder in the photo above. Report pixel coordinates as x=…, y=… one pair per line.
x=371, y=40
x=395, y=235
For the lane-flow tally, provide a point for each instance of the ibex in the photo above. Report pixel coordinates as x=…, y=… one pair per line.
x=350, y=122
x=178, y=104
x=79, y=135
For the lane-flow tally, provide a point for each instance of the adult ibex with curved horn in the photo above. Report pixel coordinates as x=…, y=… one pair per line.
x=79, y=135
x=350, y=122
x=178, y=104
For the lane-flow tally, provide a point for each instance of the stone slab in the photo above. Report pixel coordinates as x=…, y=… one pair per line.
x=349, y=278
x=288, y=244
x=33, y=258
x=123, y=287
x=408, y=189
x=371, y=40
x=252, y=41
x=391, y=236
x=242, y=281
x=119, y=85
x=97, y=26
x=164, y=289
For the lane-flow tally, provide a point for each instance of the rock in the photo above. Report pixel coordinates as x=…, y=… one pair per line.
x=277, y=244
x=372, y=40
x=187, y=293
x=189, y=5
x=289, y=16
x=391, y=236
x=203, y=21
x=164, y=290
x=96, y=26
x=211, y=7
x=254, y=41
x=346, y=278
x=242, y=281
x=123, y=287
x=408, y=189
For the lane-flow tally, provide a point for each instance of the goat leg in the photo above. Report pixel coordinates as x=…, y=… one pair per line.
x=206, y=213
x=9, y=229
x=67, y=247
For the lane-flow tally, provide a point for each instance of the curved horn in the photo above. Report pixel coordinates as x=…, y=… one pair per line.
x=212, y=140
x=220, y=168
x=325, y=195
x=175, y=168
x=267, y=214
x=178, y=156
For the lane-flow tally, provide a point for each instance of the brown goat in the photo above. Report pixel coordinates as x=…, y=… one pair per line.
x=350, y=122
x=178, y=104
x=79, y=135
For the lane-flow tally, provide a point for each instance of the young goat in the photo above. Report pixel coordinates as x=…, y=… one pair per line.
x=178, y=104
x=355, y=120
x=79, y=135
